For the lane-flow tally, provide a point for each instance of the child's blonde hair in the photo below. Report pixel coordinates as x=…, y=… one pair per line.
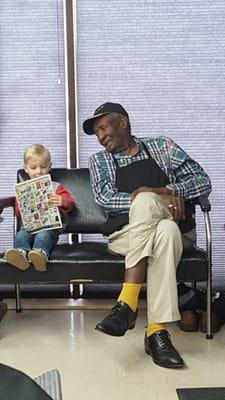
x=36, y=150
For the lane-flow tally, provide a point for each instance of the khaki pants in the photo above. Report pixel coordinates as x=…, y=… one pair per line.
x=152, y=233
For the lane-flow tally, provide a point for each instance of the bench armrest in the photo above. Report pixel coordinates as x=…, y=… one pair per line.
x=204, y=203
x=6, y=202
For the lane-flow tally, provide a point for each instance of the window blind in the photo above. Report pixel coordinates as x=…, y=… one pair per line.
x=32, y=89
x=164, y=62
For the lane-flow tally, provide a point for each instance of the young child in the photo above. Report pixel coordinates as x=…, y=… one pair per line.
x=36, y=248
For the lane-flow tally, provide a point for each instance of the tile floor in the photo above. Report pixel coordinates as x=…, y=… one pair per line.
x=95, y=366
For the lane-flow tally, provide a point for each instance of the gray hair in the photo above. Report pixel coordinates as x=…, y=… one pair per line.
x=116, y=117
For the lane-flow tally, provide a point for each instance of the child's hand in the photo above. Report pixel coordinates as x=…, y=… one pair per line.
x=56, y=200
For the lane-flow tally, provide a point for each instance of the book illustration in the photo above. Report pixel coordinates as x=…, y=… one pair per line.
x=36, y=212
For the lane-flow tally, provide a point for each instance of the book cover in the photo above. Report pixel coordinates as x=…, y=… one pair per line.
x=36, y=212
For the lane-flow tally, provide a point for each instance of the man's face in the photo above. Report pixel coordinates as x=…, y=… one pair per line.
x=111, y=135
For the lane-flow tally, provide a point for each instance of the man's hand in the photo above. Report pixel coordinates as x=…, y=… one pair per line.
x=174, y=204
x=56, y=200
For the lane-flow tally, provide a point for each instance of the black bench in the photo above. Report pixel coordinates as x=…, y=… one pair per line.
x=82, y=262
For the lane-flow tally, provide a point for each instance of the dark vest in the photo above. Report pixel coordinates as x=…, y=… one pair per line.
x=143, y=173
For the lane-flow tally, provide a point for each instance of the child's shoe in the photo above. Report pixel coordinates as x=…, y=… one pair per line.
x=17, y=258
x=38, y=259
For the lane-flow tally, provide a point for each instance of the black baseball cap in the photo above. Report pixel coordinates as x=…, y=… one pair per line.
x=104, y=109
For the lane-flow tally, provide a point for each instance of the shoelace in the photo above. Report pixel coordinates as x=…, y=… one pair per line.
x=116, y=309
x=164, y=341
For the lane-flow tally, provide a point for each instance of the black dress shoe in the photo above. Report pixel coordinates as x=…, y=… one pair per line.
x=159, y=346
x=120, y=319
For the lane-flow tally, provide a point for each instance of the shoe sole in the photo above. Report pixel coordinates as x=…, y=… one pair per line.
x=16, y=259
x=181, y=365
x=102, y=330
x=37, y=261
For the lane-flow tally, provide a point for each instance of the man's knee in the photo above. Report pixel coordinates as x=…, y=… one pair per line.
x=144, y=198
x=148, y=204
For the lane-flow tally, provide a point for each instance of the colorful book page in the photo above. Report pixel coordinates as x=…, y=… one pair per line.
x=36, y=212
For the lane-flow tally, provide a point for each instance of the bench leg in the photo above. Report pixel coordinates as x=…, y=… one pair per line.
x=18, y=298
x=209, y=310
x=75, y=290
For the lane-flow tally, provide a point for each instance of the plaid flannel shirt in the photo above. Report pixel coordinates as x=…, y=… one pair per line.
x=187, y=178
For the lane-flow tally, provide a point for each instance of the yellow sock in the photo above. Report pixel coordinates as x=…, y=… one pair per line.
x=129, y=294
x=153, y=328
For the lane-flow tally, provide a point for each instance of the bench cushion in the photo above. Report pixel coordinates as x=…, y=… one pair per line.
x=92, y=262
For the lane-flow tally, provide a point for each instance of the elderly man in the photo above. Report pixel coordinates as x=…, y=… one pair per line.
x=146, y=187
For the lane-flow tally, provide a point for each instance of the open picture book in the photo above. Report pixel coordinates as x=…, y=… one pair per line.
x=36, y=212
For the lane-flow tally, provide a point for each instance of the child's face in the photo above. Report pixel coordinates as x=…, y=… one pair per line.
x=37, y=166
